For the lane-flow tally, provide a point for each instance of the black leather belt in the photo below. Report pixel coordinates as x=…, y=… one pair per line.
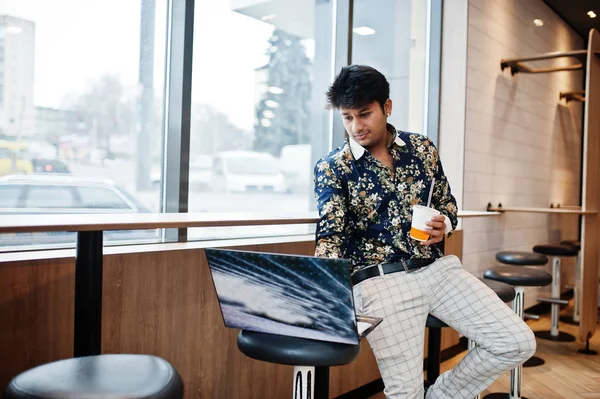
x=404, y=265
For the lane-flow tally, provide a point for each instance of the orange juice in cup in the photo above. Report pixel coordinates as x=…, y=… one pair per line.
x=421, y=214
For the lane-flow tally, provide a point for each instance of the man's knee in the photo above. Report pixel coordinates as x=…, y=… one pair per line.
x=523, y=346
x=527, y=345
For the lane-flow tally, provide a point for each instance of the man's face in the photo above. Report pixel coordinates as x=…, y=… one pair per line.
x=367, y=125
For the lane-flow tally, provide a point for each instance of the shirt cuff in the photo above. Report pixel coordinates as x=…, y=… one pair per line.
x=448, y=224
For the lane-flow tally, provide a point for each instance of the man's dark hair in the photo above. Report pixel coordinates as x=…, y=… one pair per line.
x=357, y=86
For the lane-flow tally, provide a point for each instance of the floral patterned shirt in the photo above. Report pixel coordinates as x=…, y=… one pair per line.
x=365, y=212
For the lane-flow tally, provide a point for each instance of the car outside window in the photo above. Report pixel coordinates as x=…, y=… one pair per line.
x=9, y=196
x=50, y=197
x=101, y=198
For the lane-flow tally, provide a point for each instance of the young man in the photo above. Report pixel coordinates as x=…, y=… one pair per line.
x=365, y=191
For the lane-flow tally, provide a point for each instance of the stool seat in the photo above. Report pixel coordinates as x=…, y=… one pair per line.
x=104, y=376
x=555, y=250
x=521, y=258
x=518, y=276
x=504, y=291
x=434, y=322
x=573, y=243
x=295, y=351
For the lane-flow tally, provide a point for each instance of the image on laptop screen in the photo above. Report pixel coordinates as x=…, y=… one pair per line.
x=299, y=296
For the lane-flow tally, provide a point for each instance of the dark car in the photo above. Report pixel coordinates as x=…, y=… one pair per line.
x=66, y=194
x=41, y=165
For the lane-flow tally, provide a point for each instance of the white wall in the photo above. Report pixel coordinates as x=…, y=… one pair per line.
x=453, y=94
x=521, y=145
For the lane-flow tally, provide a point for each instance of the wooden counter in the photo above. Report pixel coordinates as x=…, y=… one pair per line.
x=133, y=221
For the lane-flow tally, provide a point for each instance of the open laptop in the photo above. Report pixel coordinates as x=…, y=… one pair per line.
x=299, y=296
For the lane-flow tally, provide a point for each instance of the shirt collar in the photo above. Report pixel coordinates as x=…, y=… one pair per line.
x=358, y=150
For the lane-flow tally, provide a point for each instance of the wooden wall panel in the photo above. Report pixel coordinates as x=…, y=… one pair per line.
x=36, y=314
x=164, y=303
x=591, y=190
x=454, y=244
x=358, y=373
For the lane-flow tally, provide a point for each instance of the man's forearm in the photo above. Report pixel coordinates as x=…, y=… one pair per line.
x=329, y=247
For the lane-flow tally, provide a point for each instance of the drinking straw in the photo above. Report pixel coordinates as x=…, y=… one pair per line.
x=430, y=192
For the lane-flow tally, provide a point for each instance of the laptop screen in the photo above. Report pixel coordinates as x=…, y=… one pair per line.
x=299, y=296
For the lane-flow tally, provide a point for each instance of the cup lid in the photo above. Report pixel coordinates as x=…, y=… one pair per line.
x=424, y=208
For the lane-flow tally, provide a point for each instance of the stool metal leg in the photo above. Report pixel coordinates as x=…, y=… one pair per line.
x=554, y=334
x=304, y=382
x=555, y=307
x=516, y=373
x=577, y=290
x=321, y=383
x=434, y=353
x=574, y=319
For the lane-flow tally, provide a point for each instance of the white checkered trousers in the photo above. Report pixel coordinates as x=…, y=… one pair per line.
x=450, y=293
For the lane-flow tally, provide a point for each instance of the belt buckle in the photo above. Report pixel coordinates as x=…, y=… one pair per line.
x=380, y=268
x=406, y=269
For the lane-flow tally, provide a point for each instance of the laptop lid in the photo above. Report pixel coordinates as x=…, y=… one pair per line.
x=299, y=296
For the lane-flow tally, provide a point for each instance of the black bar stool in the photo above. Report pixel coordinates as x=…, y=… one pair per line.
x=434, y=347
x=521, y=258
x=519, y=277
x=557, y=251
x=103, y=376
x=311, y=359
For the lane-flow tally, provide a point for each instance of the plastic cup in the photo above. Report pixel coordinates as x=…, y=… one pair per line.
x=421, y=214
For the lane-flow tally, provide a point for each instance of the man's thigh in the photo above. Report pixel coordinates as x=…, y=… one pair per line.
x=471, y=307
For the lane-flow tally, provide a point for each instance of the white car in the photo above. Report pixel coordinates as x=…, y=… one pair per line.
x=199, y=176
x=49, y=193
x=246, y=171
x=296, y=167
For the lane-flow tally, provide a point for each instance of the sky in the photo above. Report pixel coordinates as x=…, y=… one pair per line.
x=77, y=41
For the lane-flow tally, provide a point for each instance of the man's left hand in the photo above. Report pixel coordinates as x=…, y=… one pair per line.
x=436, y=230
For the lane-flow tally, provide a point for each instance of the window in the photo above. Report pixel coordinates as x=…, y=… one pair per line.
x=254, y=111
x=394, y=39
x=94, y=105
x=83, y=99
